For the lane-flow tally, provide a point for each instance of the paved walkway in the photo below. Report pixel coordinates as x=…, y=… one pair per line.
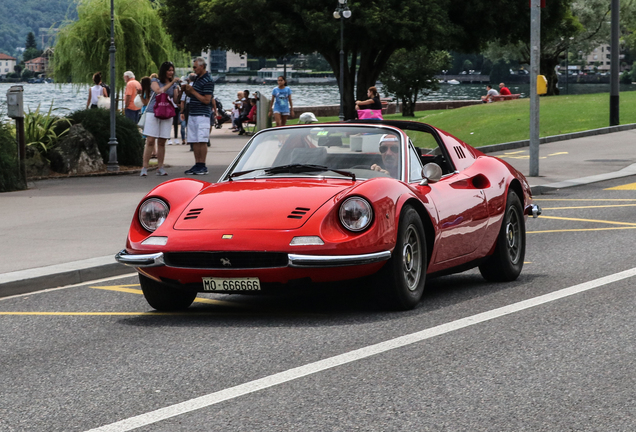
x=67, y=230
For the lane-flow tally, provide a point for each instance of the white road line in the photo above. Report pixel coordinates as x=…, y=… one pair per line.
x=342, y=359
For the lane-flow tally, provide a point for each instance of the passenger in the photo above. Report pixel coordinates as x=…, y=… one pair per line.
x=390, y=151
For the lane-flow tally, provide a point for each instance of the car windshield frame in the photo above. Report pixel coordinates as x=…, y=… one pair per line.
x=347, y=151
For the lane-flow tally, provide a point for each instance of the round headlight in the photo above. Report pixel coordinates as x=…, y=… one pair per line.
x=356, y=214
x=153, y=213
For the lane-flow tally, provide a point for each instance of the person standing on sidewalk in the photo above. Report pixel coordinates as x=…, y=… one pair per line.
x=201, y=107
x=281, y=104
x=133, y=87
x=156, y=129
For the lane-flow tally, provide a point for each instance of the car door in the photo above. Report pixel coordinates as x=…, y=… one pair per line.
x=458, y=196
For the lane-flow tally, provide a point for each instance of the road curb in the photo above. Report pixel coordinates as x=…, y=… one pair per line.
x=554, y=138
x=25, y=281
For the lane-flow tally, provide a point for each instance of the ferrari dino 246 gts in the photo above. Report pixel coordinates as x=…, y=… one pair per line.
x=331, y=202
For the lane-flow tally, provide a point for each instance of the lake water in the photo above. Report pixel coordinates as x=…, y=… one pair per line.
x=67, y=98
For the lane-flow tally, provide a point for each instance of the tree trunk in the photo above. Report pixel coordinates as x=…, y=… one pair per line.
x=548, y=66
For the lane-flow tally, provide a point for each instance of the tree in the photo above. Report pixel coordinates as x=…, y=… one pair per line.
x=30, y=41
x=566, y=25
x=410, y=74
x=376, y=29
x=30, y=54
x=140, y=39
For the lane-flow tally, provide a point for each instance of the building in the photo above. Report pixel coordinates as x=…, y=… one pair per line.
x=7, y=64
x=601, y=59
x=236, y=62
x=37, y=65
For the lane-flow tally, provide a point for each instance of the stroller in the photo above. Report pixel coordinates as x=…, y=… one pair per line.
x=221, y=115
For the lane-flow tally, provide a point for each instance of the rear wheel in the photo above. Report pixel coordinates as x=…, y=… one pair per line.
x=405, y=272
x=163, y=297
x=506, y=262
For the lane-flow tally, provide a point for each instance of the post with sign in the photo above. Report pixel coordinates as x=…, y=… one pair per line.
x=15, y=110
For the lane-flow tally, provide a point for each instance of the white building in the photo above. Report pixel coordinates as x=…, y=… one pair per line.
x=7, y=64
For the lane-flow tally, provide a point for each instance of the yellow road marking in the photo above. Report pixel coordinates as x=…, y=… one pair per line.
x=630, y=186
x=584, y=199
x=138, y=291
x=588, y=220
x=588, y=207
x=580, y=229
x=558, y=153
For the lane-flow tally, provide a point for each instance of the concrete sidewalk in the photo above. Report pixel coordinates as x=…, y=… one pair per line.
x=65, y=231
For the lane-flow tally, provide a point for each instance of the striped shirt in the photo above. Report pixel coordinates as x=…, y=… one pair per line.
x=204, y=85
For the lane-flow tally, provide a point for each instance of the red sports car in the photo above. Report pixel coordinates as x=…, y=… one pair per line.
x=332, y=202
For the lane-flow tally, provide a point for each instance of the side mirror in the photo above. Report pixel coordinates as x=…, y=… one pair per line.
x=431, y=173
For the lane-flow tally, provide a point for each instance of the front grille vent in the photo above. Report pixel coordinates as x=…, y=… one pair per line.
x=225, y=260
x=298, y=213
x=193, y=214
x=460, y=152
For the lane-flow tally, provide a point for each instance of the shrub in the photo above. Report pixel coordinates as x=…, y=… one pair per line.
x=130, y=144
x=10, y=178
x=40, y=131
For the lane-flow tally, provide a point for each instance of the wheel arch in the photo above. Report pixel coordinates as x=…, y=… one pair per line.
x=429, y=231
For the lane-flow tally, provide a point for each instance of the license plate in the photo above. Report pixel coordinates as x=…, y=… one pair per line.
x=231, y=284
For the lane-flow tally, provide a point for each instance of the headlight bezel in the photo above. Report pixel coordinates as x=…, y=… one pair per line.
x=154, y=226
x=366, y=207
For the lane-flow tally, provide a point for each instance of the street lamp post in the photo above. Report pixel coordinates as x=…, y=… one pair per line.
x=112, y=142
x=342, y=11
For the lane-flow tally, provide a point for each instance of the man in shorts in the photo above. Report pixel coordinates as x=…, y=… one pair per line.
x=200, y=108
x=133, y=87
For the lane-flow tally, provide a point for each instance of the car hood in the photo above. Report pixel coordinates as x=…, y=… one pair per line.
x=276, y=204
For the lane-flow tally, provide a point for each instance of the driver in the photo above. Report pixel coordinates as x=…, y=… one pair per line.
x=390, y=151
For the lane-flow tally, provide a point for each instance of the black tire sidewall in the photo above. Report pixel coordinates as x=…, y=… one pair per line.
x=401, y=296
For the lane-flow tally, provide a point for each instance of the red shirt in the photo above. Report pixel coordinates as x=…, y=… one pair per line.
x=504, y=91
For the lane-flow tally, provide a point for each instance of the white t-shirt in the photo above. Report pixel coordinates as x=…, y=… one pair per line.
x=96, y=91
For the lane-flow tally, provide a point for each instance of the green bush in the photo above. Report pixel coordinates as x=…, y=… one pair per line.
x=10, y=178
x=130, y=144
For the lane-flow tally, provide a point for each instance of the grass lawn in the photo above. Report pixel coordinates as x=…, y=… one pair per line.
x=502, y=122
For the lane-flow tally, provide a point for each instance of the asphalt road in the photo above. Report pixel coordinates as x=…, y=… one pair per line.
x=474, y=356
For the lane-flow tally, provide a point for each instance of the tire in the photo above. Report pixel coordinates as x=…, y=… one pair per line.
x=405, y=273
x=505, y=264
x=163, y=297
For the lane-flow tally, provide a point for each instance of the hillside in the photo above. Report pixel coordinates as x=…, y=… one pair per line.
x=21, y=17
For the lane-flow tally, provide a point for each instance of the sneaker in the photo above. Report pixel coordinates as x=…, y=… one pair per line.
x=161, y=172
x=169, y=142
x=191, y=170
x=144, y=172
x=201, y=171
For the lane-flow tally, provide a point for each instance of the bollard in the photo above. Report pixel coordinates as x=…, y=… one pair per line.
x=15, y=110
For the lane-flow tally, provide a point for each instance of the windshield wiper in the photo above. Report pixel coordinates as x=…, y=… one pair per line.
x=300, y=168
x=240, y=173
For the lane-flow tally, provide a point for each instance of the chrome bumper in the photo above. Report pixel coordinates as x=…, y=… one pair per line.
x=143, y=260
x=295, y=260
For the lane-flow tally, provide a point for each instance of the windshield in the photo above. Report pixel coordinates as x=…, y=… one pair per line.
x=363, y=151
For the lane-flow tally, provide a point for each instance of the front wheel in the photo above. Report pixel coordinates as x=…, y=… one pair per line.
x=405, y=272
x=163, y=297
x=505, y=264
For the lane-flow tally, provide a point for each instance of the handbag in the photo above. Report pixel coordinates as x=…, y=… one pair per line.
x=164, y=107
x=103, y=102
x=138, y=102
x=142, y=120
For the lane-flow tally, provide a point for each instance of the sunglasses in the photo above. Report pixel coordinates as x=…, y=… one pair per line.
x=394, y=148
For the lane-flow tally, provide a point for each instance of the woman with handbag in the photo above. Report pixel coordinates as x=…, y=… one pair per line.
x=96, y=91
x=159, y=114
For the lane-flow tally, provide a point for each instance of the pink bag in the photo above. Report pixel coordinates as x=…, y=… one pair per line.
x=370, y=114
x=164, y=107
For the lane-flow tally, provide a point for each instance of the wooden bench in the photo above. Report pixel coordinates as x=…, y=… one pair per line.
x=502, y=98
